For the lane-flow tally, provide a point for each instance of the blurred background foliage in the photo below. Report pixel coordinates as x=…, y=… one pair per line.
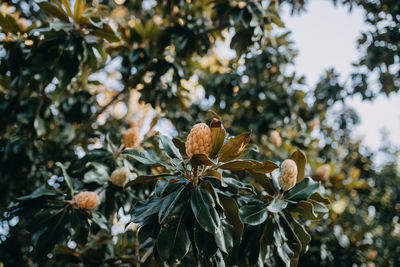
x=74, y=72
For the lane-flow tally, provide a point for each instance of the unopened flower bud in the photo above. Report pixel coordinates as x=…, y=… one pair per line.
x=199, y=140
x=322, y=172
x=288, y=176
x=120, y=176
x=275, y=138
x=131, y=137
x=86, y=200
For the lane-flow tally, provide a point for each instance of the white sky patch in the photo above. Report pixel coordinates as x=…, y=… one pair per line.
x=326, y=36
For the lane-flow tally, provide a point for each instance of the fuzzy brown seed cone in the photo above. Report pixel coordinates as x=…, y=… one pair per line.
x=275, y=138
x=86, y=200
x=199, y=140
x=120, y=176
x=288, y=176
x=322, y=172
x=131, y=137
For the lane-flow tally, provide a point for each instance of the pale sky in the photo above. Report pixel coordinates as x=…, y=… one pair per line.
x=325, y=37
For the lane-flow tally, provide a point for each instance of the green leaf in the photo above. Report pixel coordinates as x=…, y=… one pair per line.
x=173, y=241
x=318, y=207
x=277, y=205
x=68, y=179
x=205, y=245
x=54, y=11
x=109, y=36
x=51, y=235
x=146, y=208
x=232, y=214
x=304, y=209
x=302, y=190
x=264, y=181
x=317, y=197
x=140, y=155
x=141, y=179
x=39, y=192
x=203, y=209
x=218, y=134
x=238, y=187
x=250, y=164
x=300, y=232
x=300, y=158
x=253, y=214
x=98, y=174
x=171, y=203
x=214, y=173
x=225, y=236
x=181, y=146
x=201, y=159
x=234, y=147
x=100, y=220
x=169, y=146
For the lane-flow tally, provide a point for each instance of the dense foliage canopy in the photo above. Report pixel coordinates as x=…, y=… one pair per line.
x=86, y=85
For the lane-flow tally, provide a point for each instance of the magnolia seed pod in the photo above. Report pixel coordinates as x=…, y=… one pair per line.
x=199, y=140
x=86, y=200
x=131, y=137
x=120, y=176
x=275, y=138
x=322, y=172
x=288, y=176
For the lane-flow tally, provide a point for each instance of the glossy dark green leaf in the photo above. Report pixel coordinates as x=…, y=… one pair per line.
x=146, y=179
x=181, y=146
x=253, y=214
x=205, y=244
x=238, y=187
x=264, y=181
x=39, y=192
x=54, y=11
x=300, y=232
x=305, y=209
x=98, y=173
x=277, y=205
x=169, y=147
x=203, y=208
x=302, y=190
x=140, y=155
x=170, y=203
x=146, y=208
x=300, y=158
x=232, y=214
x=100, y=220
x=225, y=236
x=173, y=241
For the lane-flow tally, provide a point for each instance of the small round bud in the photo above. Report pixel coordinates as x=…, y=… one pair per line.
x=86, y=200
x=288, y=176
x=275, y=138
x=131, y=137
x=322, y=172
x=199, y=140
x=120, y=176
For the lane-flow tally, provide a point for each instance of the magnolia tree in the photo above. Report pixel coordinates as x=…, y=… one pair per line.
x=191, y=209
x=78, y=78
